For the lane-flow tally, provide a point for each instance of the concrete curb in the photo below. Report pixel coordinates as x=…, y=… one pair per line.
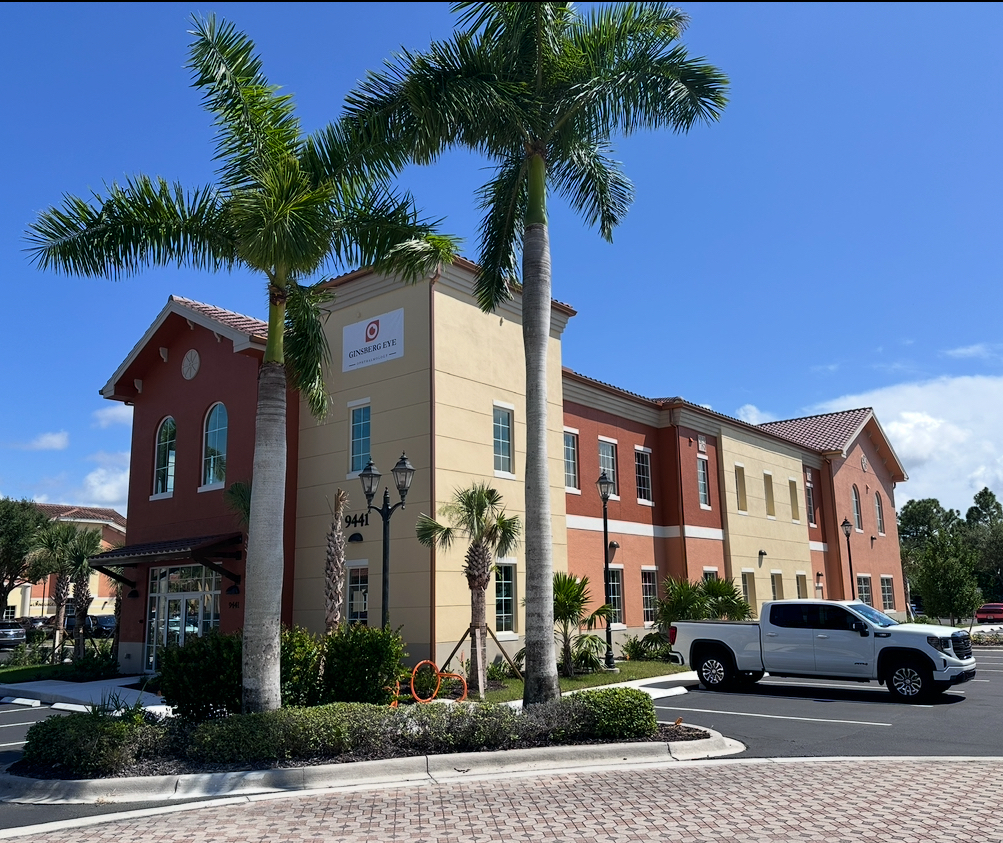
x=390, y=772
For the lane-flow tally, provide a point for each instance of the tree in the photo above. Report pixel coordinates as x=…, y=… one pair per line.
x=539, y=90
x=20, y=520
x=571, y=600
x=51, y=548
x=701, y=600
x=478, y=516
x=284, y=207
x=945, y=577
x=919, y=521
x=334, y=565
x=985, y=511
x=83, y=545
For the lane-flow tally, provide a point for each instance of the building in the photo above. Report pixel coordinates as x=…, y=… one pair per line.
x=420, y=370
x=35, y=600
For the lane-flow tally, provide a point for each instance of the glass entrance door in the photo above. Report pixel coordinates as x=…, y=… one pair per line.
x=184, y=602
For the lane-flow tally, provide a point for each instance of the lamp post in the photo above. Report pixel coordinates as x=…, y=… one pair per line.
x=849, y=557
x=605, y=486
x=403, y=474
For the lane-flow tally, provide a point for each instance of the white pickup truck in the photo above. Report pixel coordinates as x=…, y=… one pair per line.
x=826, y=639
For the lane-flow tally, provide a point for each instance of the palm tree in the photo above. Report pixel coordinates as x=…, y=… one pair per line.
x=725, y=601
x=50, y=554
x=334, y=564
x=478, y=516
x=285, y=206
x=85, y=544
x=571, y=600
x=539, y=90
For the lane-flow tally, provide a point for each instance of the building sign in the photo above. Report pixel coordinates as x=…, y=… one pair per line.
x=373, y=341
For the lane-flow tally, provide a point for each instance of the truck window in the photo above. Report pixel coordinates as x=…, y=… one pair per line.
x=835, y=617
x=794, y=615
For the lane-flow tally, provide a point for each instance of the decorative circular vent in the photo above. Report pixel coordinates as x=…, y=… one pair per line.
x=190, y=365
x=863, y=462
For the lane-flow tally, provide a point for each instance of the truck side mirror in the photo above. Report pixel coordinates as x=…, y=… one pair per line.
x=861, y=627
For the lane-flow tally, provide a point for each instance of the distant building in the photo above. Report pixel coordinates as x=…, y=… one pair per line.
x=420, y=369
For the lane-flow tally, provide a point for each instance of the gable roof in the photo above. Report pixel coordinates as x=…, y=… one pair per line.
x=243, y=331
x=96, y=514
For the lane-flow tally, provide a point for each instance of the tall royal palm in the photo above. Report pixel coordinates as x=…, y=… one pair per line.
x=539, y=90
x=285, y=205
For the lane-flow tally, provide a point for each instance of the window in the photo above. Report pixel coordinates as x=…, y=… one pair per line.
x=887, y=594
x=649, y=595
x=505, y=598
x=879, y=512
x=358, y=596
x=771, y=507
x=864, y=589
x=163, y=472
x=749, y=588
x=802, y=581
x=743, y=504
x=360, y=438
x=503, y=440
x=571, y=460
x=642, y=471
x=709, y=574
x=795, y=515
x=9, y=613
x=834, y=617
x=214, y=447
x=809, y=499
x=777, y=585
x=858, y=521
x=794, y=615
x=607, y=462
x=616, y=594
x=703, y=481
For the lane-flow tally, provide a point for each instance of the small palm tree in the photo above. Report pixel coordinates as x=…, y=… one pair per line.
x=685, y=600
x=84, y=545
x=50, y=555
x=334, y=564
x=724, y=601
x=478, y=516
x=285, y=207
x=571, y=602
x=539, y=90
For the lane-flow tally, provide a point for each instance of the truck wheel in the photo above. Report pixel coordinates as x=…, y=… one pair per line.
x=910, y=681
x=715, y=670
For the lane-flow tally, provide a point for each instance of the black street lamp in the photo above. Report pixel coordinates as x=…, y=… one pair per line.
x=849, y=556
x=403, y=474
x=605, y=486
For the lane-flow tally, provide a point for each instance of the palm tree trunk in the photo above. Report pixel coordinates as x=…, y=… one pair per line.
x=477, y=679
x=81, y=605
x=60, y=591
x=265, y=557
x=541, y=663
x=334, y=565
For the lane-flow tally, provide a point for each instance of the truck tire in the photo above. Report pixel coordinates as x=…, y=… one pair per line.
x=715, y=670
x=910, y=681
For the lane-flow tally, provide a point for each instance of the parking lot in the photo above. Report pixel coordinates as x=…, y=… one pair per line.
x=803, y=717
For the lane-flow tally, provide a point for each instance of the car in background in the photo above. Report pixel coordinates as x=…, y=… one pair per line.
x=70, y=624
x=989, y=613
x=35, y=622
x=104, y=626
x=11, y=634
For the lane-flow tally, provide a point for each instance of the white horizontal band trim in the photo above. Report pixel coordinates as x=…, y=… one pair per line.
x=821, y=546
x=573, y=430
x=642, y=449
x=503, y=405
x=632, y=528
x=569, y=490
x=359, y=402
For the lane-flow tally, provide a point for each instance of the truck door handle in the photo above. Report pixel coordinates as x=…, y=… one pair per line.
x=821, y=636
x=772, y=634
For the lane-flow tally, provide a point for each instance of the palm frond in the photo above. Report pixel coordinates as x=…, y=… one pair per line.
x=237, y=498
x=147, y=222
x=504, y=200
x=431, y=533
x=307, y=352
x=255, y=125
x=594, y=185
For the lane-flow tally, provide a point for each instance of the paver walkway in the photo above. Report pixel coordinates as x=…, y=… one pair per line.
x=837, y=801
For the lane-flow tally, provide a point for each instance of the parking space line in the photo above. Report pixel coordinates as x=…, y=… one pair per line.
x=19, y=743
x=777, y=716
x=10, y=725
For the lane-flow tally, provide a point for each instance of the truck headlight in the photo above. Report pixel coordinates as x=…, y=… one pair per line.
x=942, y=644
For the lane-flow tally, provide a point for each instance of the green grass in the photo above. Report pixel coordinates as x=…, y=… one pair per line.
x=629, y=671
x=35, y=673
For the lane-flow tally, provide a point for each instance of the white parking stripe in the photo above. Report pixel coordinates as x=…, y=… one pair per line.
x=19, y=743
x=7, y=725
x=778, y=716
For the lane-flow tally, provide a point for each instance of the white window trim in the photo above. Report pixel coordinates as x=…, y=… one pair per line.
x=640, y=501
x=507, y=635
x=359, y=402
x=573, y=430
x=649, y=567
x=508, y=475
x=607, y=439
x=165, y=495
x=210, y=487
x=748, y=570
x=642, y=449
x=571, y=490
x=504, y=405
x=706, y=506
x=352, y=405
x=709, y=569
x=776, y=571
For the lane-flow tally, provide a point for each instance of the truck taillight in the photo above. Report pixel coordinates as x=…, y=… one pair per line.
x=672, y=635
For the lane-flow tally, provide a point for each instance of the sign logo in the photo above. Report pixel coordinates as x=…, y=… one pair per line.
x=372, y=330
x=374, y=340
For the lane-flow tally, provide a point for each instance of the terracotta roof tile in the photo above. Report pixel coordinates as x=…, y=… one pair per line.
x=245, y=324
x=177, y=548
x=69, y=512
x=827, y=432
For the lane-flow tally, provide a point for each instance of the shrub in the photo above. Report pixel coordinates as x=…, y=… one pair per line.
x=202, y=679
x=499, y=671
x=86, y=745
x=26, y=656
x=618, y=713
x=362, y=664
x=300, y=667
x=93, y=665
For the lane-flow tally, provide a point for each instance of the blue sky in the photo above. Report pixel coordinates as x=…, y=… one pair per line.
x=832, y=242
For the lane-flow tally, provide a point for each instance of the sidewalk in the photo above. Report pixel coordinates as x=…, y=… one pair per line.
x=80, y=696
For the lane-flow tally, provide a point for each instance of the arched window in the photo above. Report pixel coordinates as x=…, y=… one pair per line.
x=858, y=520
x=879, y=511
x=163, y=469
x=214, y=447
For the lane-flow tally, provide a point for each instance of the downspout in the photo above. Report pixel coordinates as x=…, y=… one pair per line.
x=433, y=608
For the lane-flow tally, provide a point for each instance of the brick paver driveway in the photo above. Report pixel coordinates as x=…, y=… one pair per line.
x=845, y=801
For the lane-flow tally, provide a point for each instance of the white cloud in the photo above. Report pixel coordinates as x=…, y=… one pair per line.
x=981, y=350
x=753, y=415
x=115, y=414
x=946, y=432
x=48, y=442
x=108, y=484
